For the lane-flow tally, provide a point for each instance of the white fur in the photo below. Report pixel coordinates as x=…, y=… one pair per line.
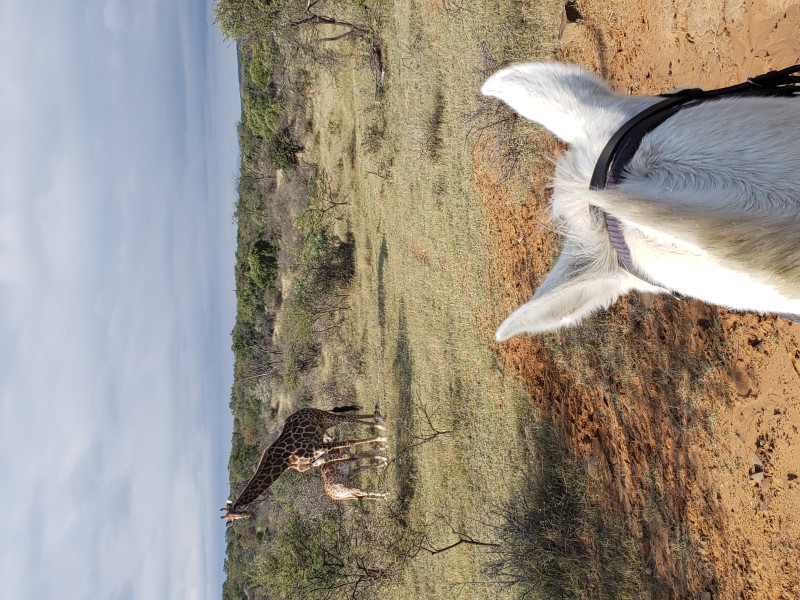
x=709, y=206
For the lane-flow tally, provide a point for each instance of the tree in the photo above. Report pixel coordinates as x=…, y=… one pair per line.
x=243, y=20
x=263, y=262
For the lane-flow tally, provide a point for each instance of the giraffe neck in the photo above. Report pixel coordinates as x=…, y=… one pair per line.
x=273, y=462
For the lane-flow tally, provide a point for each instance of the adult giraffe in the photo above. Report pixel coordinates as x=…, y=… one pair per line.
x=301, y=445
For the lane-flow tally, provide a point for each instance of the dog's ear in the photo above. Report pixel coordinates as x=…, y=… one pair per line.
x=567, y=100
x=572, y=291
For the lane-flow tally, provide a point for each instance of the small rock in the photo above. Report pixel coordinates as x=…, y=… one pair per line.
x=756, y=478
x=705, y=596
x=648, y=299
x=570, y=33
x=744, y=383
x=592, y=467
x=757, y=462
x=766, y=484
x=644, y=545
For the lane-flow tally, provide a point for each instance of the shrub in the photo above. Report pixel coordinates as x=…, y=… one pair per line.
x=555, y=542
x=340, y=555
x=262, y=114
x=263, y=263
x=281, y=151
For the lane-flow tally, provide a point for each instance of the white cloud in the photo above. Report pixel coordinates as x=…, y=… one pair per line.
x=117, y=16
x=116, y=264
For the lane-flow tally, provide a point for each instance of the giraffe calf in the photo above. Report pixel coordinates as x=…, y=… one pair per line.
x=341, y=465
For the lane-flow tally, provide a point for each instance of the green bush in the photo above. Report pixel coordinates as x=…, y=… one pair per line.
x=333, y=557
x=262, y=114
x=261, y=65
x=263, y=263
x=323, y=266
x=281, y=151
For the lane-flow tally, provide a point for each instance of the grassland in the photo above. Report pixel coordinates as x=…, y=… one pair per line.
x=422, y=244
x=375, y=136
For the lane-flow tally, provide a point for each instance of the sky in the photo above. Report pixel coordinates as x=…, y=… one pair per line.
x=118, y=156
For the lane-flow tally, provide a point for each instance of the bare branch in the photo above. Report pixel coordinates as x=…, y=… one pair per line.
x=462, y=539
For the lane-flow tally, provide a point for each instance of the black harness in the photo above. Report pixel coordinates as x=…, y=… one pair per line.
x=610, y=168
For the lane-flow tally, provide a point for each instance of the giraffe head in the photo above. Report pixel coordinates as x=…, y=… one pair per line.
x=230, y=516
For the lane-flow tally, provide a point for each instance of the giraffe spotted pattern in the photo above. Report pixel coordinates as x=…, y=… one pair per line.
x=301, y=445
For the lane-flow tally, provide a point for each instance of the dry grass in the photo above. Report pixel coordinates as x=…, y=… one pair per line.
x=423, y=303
x=420, y=293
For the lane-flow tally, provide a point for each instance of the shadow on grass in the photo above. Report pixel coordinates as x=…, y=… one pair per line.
x=403, y=370
x=555, y=542
x=383, y=256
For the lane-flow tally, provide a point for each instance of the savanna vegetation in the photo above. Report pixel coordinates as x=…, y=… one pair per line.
x=362, y=277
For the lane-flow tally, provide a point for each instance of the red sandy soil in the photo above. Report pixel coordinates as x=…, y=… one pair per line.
x=715, y=507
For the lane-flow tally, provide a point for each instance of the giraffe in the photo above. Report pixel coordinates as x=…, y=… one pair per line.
x=301, y=445
x=339, y=467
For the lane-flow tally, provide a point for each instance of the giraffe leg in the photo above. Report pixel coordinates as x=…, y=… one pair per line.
x=380, y=439
x=376, y=463
x=376, y=419
x=328, y=447
x=337, y=472
x=375, y=495
x=374, y=453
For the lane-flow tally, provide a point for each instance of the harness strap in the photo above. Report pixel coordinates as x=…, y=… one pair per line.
x=617, y=153
x=624, y=143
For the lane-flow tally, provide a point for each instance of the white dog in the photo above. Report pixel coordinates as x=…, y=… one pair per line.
x=708, y=204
